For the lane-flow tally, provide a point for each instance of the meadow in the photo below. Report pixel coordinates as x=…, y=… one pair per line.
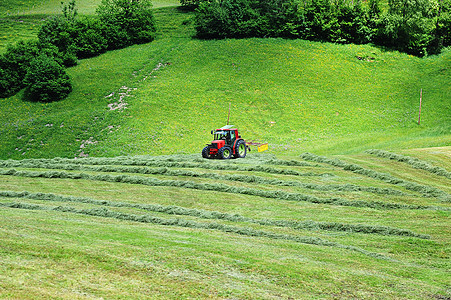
x=166, y=96
x=105, y=194
x=177, y=226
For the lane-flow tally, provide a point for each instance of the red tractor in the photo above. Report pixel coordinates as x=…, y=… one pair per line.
x=227, y=143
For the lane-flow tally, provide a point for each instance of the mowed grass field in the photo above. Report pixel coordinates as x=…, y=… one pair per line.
x=180, y=227
x=105, y=194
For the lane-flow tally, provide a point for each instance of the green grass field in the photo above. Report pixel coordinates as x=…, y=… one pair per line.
x=296, y=95
x=105, y=194
x=171, y=227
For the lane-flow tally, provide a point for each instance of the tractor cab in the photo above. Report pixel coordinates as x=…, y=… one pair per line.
x=220, y=135
x=227, y=135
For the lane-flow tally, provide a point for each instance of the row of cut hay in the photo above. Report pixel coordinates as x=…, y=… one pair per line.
x=411, y=161
x=217, y=187
x=245, y=231
x=263, y=161
x=425, y=190
x=159, y=163
x=187, y=173
x=206, y=214
x=143, y=160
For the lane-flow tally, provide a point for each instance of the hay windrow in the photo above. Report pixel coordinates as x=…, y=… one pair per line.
x=425, y=190
x=412, y=161
x=177, y=172
x=206, y=214
x=218, y=187
x=245, y=231
x=157, y=163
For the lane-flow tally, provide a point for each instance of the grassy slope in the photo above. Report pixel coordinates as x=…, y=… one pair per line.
x=296, y=95
x=318, y=93
x=94, y=253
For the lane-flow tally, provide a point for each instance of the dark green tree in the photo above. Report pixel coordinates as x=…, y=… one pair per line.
x=46, y=80
x=127, y=22
x=60, y=31
x=89, y=37
x=14, y=64
x=441, y=36
x=407, y=26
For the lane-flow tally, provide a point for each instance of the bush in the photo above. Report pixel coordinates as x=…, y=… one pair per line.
x=14, y=64
x=127, y=22
x=46, y=80
x=315, y=20
x=235, y=19
x=78, y=38
x=10, y=82
x=63, y=39
x=57, y=31
x=120, y=23
x=89, y=39
x=407, y=26
x=417, y=27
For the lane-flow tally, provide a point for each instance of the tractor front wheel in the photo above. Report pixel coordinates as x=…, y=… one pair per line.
x=225, y=153
x=240, y=149
x=206, y=152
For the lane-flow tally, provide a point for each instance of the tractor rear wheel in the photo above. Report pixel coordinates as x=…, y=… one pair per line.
x=206, y=152
x=225, y=152
x=240, y=149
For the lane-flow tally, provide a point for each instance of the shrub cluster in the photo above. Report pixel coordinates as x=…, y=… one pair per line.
x=30, y=64
x=46, y=80
x=414, y=26
x=118, y=24
x=65, y=38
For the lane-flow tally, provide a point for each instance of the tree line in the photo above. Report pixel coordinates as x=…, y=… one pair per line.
x=417, y=27
x=39, y=65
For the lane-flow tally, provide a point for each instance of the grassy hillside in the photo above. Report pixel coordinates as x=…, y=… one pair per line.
x=284, y=224
x=173, y=227
x=296, y=95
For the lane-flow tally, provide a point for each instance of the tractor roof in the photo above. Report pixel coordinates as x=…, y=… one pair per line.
x=227, y=127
